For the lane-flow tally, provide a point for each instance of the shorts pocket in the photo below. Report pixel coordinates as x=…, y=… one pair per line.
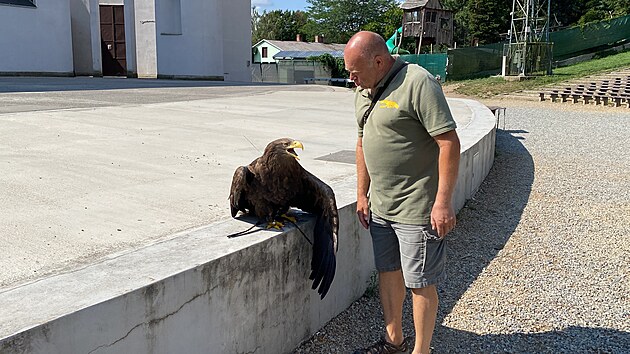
x=430, y=234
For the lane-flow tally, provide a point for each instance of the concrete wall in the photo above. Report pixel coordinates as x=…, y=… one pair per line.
x=86, y=37
x=36, y=40
x=244, y=295
x=477, y=152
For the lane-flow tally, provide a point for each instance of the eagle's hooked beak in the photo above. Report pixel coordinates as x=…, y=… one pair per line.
x=290, y=149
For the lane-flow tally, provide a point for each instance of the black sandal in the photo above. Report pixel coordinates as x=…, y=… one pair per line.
x=384, y=347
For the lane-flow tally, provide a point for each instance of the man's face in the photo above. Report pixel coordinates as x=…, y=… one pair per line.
x=363, y=71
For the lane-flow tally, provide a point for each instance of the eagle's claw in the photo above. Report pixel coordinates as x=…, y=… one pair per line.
x=275, y=225
x=289, y=218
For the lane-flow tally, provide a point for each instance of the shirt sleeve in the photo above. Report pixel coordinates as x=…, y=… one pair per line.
x=431, y=106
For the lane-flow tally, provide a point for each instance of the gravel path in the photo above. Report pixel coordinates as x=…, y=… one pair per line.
x=540, y=259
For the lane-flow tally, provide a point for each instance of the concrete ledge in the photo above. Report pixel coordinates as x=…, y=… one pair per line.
x=37, y=73
x=477, y=139
x=197, y=293
x=200, y=292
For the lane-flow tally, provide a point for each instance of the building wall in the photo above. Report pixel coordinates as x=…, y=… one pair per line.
x=206, y=39
x=145, y=38
x=36, y=40
x=86, y=37
x=237, y=40
x=190, y=39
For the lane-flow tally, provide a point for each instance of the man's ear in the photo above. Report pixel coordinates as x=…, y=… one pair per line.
x=378, y=60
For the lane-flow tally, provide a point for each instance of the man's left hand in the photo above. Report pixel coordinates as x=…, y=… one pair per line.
x=443, y=218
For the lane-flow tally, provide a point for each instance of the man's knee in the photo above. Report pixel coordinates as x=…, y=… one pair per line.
x=428, y=291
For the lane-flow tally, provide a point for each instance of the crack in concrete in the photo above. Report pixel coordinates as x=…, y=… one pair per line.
x=253, y=351
x=152, y=321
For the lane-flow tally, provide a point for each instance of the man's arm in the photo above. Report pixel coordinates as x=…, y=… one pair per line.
x=443, y=213
x=363, y=185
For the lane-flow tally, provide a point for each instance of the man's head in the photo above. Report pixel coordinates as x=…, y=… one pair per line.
x=367, y=59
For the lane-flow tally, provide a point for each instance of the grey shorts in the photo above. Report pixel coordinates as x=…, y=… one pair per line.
x=416, y=249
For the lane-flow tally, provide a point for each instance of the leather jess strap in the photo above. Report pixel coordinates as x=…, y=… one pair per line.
x=380, y=91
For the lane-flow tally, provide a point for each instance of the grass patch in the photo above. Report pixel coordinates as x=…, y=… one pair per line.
x=491, y=86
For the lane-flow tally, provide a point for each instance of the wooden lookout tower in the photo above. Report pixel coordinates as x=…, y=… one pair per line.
x=428, y=22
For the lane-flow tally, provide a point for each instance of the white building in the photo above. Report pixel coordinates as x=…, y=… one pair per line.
x=202, y=39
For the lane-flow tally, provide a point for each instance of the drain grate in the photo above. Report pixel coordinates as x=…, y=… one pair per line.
x=343, y=156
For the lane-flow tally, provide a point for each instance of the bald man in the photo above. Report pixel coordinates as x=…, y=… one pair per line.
x=407, y=157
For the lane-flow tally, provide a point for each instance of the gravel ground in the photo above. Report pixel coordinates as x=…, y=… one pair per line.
x=540, y=259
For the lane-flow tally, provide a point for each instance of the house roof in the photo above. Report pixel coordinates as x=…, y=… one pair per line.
x=412, y=4
x=304, y=46
x=297, y=54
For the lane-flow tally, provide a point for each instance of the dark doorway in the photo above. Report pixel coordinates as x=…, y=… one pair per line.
x=113, y=51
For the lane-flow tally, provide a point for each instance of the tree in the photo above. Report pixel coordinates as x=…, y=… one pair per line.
x=281, y=25
x=597, y=10
x=338, y=20
x=483, y=21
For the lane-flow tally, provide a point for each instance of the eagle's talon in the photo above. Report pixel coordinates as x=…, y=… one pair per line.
x=274, y=225
x=289, y=218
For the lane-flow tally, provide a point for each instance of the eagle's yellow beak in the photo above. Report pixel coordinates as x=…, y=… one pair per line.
x=290, y=149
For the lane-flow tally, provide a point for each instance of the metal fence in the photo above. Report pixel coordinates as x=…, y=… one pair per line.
x=289, y=71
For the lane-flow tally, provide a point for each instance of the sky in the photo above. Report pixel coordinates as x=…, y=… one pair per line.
x=279, y=5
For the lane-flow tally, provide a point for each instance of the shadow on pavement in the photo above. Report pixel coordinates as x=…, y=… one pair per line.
x=83, y=83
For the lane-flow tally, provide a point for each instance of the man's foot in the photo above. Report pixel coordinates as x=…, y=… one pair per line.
x=384, y=347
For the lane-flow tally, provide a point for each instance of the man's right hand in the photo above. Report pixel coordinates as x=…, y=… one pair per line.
x=363, y=211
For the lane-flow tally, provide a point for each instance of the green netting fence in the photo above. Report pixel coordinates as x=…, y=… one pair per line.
x=473, y=62
x=434, y=63
x=579, y=40
x=486, y=60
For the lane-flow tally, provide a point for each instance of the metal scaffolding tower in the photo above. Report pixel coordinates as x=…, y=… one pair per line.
x=528, y=51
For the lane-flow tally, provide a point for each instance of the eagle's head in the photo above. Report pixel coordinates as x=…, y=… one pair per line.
x=283, y=147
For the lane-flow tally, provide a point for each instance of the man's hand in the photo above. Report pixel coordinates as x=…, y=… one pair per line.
x=443, y=218
x=363, y=211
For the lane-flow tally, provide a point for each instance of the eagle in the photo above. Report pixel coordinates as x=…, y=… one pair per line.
x=273, y=183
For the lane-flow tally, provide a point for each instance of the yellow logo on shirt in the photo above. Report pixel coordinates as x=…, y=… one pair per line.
x=388, y=104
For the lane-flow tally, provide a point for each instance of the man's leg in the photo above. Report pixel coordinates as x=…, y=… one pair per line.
x=425, y=304
x=392, y=290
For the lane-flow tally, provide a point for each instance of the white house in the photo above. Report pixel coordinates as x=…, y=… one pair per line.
x=267, y=50
x=202, y=39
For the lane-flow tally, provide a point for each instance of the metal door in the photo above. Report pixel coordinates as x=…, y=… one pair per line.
x=113, y=49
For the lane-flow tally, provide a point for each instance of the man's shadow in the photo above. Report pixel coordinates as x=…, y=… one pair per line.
x=485, y=224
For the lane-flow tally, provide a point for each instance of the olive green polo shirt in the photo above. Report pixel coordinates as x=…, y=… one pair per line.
x=398, y=146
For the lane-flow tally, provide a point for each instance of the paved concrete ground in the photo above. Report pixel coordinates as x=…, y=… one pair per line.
x=92, y=167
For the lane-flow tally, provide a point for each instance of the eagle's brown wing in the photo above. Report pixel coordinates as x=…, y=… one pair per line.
x=239, y=189
x=315, y=196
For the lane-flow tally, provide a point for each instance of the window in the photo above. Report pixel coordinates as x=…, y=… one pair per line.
x=170, y=20
x=444, y=23
x=264, y=52
x=430, y=16
x=29, y=3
